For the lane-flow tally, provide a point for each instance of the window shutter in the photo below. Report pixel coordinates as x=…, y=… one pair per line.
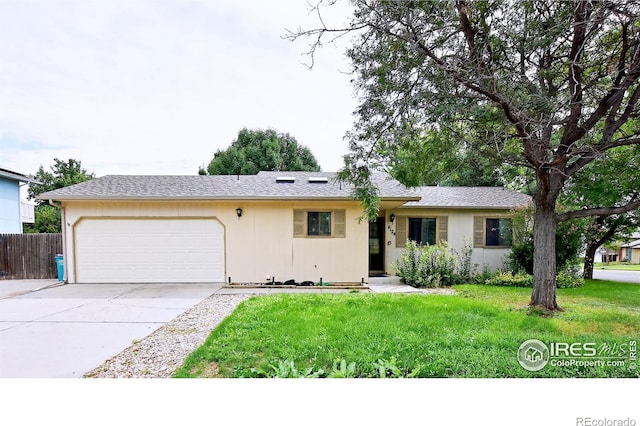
x=443, y=228
x=401, y=231
x=478, y=231
x=339, y=224
x=298, y=223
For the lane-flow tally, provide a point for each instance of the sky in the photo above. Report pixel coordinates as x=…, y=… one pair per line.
x=158, y=86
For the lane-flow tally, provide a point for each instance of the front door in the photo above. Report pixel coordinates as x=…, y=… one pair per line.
x=376, y=246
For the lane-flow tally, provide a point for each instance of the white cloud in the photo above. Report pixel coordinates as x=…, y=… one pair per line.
x=155, y=87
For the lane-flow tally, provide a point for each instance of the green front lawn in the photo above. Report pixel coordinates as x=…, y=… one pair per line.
x=476, y=333
x=617, y=266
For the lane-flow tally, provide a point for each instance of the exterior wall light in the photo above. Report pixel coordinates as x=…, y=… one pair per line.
x=239, y=212
x=392, y=217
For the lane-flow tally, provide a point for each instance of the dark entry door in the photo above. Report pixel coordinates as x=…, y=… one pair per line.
x=376, y=246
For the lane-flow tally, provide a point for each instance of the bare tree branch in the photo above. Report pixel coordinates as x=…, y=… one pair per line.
x=598, y=211
x=590, y=153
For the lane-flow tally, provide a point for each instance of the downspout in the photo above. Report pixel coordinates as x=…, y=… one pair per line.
x=53, y=203
x=63, y=228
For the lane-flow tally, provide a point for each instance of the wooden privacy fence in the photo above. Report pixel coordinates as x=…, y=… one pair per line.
x=29, y=256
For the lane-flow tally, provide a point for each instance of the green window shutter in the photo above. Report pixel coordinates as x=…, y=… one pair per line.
x=478, y=231
x=339, y=223
x=401, y=231
x=298, y=224
x=443, y=228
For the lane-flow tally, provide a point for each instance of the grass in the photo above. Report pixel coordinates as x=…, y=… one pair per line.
x=474, y=334
x=617, y=266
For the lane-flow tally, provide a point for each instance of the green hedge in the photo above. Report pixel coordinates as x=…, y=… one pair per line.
x=508, y=279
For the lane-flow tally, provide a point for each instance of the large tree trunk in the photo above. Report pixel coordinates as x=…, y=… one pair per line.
x=589, y=255
x=544, y=255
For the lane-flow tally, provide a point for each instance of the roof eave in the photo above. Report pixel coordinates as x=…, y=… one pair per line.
x=405, y=199
x=222, y=198
x=461, y=207
x=164, y=198
x=17, y=177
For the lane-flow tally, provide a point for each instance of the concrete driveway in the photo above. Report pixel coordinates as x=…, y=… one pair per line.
x=67, y=330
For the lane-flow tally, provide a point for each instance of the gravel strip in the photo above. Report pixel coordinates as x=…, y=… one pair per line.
x=161, y=353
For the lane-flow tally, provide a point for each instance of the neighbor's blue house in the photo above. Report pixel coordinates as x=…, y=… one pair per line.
x=12, y=212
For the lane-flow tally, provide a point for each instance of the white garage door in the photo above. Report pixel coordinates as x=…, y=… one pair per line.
x=126, y=250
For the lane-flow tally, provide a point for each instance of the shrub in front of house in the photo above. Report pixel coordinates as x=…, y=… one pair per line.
x=569, y=279
x=568, y=244
x=466, y=271
x=509, y=279
x=427, y=266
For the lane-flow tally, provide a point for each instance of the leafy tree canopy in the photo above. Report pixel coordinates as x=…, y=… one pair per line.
x=463, y=167
x=614, y=181
x=549, y=85
x=61, y=173
x=259, y=150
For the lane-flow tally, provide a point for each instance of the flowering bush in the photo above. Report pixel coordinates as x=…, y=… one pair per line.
x=427, y=266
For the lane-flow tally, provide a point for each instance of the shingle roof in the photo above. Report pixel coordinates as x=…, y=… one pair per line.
x=468, y=197
x=282, y=186
x=632, y=244
x=264, y=185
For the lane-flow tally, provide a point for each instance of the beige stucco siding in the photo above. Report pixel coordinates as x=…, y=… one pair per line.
x=258, y=245
x=261, y=244
x=460, y=232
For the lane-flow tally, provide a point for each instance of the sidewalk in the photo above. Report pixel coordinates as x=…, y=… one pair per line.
x=388, y=284
x=13, y=288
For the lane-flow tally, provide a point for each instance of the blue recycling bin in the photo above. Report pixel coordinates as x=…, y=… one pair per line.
x=60, y=265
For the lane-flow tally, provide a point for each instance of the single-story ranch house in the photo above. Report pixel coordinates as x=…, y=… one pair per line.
x=271, y=226
x=630, y=252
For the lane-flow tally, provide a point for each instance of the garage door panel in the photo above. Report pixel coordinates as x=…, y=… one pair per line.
x=149, y=250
